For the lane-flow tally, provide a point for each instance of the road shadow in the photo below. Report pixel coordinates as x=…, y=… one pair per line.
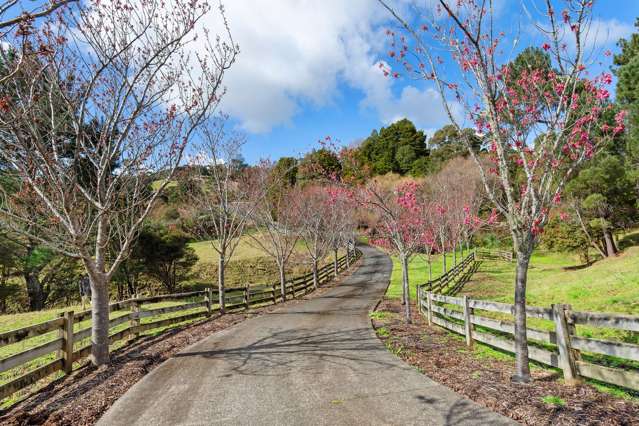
x=281, y=352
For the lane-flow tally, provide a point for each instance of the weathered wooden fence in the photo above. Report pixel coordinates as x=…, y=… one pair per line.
x=559, y=347
x=487, y=254
x=66, y=337
x=451, y=281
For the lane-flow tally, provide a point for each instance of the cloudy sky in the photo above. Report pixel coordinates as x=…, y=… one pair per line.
x=308, y=69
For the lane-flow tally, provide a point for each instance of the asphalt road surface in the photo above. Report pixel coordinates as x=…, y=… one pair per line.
x=315, y=362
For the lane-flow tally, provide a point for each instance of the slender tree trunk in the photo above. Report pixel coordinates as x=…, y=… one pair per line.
x=611, y=250
x=522, y=369
x=335, y=261
x=315, y=277
x=220, y=284
x=348, y=255
x=34, y=290
x=405, y=287
x=430, y=269
x=282, y=280
x=461, y=247
x=444, y=261
x=455, y=254
x=99, y=320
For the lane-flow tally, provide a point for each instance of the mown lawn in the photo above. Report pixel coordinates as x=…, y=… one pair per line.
x=246, y=249
x=608, y=285
x=417, y=272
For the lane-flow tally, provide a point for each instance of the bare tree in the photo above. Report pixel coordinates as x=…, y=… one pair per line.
x=16, y=24
x=221, y=196
x=340, y=218
x=313, y=206
x=538, y=120
x=13, y=12
x=108, y=106
x=277, y=224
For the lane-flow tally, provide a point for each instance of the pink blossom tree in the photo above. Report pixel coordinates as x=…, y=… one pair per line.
x=111, y=97
x=537, y=121
x=400, y=224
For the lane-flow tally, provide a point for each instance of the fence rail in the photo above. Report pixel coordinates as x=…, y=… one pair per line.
x=561, y=347
x=198, y=304
x=451, y=281
x=506, y=255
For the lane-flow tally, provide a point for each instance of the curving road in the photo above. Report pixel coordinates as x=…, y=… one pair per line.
x=315, y=362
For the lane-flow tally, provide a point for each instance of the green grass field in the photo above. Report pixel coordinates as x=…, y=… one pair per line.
x=608, y=285
x=417, y=273
x=11, y=322
x=246, y=249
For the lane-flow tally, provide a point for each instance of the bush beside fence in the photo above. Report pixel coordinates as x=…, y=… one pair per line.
x=198, y=304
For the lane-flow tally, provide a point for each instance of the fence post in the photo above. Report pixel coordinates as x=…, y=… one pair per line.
x=566, y=355
x=468, y=325
x=246, y=296
x=429, y=304
x=208, y=299
x=135, y=318
x=274, y=291
x=67, y=335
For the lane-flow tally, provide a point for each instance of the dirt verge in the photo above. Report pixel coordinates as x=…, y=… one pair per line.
x=446, y=359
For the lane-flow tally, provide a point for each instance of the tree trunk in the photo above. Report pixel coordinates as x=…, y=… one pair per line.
x=522, y=369
x=99, y=320
x=34, y=290
x=611, y=250
x=405, y=287
x=282, y=281
x=348, y=254
x=220, y=284
x=335, y=261
x=444, y=261
x=455, y=254
x=430, y=269
x=315, y=277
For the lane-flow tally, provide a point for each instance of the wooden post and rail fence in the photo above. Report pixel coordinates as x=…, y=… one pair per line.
x=66, y=337
x=559, y=346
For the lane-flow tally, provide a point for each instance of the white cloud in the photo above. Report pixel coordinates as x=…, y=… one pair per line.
x=605, y=32
x=296, y=52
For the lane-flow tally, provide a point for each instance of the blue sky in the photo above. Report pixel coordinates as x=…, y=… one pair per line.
x=307, y=69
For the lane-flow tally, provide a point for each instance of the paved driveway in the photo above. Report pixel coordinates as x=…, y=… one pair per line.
x=316, y=362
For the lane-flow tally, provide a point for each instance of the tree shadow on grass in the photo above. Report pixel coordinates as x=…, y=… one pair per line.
x=629, y=240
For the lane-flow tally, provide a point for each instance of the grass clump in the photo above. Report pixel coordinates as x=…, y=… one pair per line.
x=553, y=400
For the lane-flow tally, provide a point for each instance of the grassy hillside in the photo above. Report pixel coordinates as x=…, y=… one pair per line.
x=609, y=285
